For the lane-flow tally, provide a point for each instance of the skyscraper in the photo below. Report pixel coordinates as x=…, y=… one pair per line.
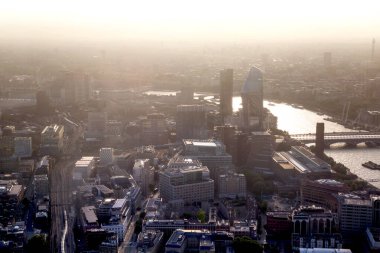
x=320, y=139
x=191, y=122
x=226, y=92
x=252, y=98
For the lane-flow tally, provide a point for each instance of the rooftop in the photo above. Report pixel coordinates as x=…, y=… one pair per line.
x=89, y=214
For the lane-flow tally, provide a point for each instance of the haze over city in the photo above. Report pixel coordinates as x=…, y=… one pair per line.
x=191, y=21
x=189, y=126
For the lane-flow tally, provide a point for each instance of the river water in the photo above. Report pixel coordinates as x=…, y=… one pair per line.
x=299, y=121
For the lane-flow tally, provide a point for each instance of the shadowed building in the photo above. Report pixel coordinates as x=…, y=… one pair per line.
x=252, y=98
x=226, y=92
x=191, y=122
x=320, y=139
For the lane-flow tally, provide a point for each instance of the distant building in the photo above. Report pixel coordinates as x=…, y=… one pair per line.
x=252, y=99
x=186, y=185
x=186, y=95
x=23, y=147
x=52, y=141
x=154, y=130
x=232, y=185
x=191, y=122
x=96, y=125
x=226, y=92
x=106, y=156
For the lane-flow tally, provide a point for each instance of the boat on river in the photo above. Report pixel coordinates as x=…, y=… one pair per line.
x=371, y=165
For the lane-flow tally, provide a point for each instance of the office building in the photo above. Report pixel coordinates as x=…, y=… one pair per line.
x=191, y=122
x=154, y=130
x=355, y=213
x=83, y=168
x=52, y=140
x=261, y=150
x=23, y=147
x=210, y=153
x=106, y=156
x=186, y=184
x=226, y=134
x=320, y=192
x=232, y=185
x=252, y=99
x=96, y=125
x=143, y=173
x=226, y=92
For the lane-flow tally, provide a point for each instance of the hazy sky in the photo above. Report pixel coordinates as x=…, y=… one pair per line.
x=198, y=20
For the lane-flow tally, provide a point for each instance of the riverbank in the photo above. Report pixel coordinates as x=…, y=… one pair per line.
x=336, y=118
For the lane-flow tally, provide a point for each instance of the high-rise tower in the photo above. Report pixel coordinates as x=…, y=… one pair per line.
x=320, y=139
x=226, y=92
x=252, y=98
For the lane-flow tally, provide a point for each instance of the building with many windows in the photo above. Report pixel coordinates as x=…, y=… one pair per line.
x=52, y=140
x=210, y=153
x=232, y=185
x=186, y=184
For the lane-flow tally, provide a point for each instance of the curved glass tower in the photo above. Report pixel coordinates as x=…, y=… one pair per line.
x=252, y=98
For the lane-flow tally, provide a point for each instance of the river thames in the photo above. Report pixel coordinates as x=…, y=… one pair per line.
x=299, y=121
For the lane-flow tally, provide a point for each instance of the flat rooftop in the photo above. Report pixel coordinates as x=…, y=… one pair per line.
x=89, y=214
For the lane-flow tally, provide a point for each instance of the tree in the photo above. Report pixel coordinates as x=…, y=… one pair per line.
x=241, y=244
x=37, y=243
x=201, y=215
x=138, y=226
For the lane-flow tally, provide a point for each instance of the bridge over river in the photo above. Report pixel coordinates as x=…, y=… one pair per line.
x=350, y=138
